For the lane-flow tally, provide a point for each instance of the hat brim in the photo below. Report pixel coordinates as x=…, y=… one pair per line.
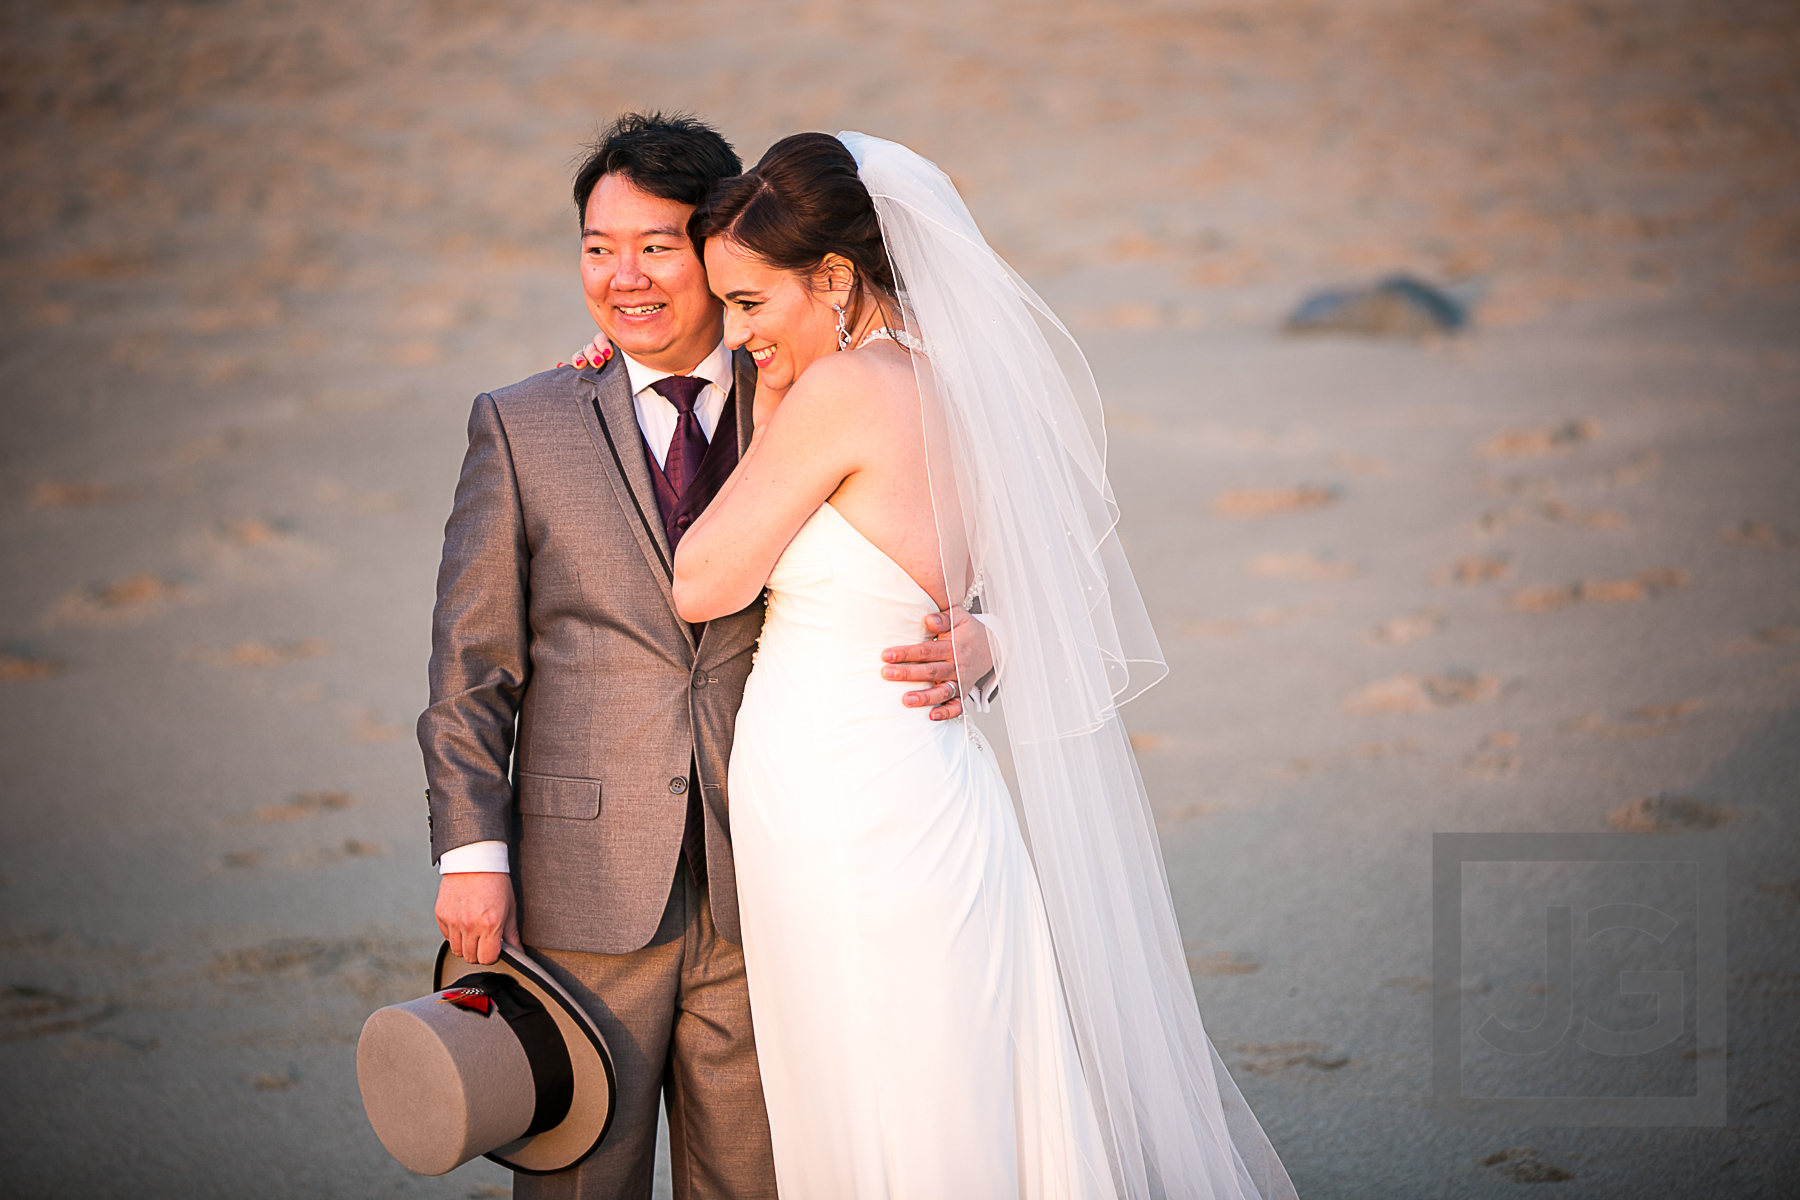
x=590, y=1115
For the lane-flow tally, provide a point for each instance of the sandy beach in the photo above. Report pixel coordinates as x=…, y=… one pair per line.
x=1542, y=575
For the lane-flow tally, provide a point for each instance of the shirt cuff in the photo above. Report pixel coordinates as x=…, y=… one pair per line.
x=474, y=857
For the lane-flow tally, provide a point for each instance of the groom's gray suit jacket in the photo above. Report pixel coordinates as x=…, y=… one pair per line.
x=567, y=698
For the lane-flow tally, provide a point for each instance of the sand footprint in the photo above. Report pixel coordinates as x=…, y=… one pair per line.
x=1759, y=533
x=17, y=667
x=253, y=654
x=1646, y=720
x=285, y=958
x=1302, y=564
x=1407, y=628
x=29, y=1011
x=1270, y=502
x=1531, y=443
x=270, y=1082
x=255, y=550
x=123, y=601
x=1220, y=962
x=1522, y=1164
x=370, y=728
x=1763, y=639
x=1270, y=1058
x=1663, y=814
x=1497, y=757
x=1184, y=812
x=1409, y=692
x=1307, y=764
x=73, y=495
x=314, y=857
x=1473, y=570
x=303, y=805
x=1555, y=511
x=1645, y=585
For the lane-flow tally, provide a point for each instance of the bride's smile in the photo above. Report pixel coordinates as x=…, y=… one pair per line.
x=785, y=320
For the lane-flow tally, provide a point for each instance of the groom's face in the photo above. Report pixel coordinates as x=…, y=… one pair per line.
x=645, y=286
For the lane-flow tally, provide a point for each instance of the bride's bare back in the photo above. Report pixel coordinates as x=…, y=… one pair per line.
x=889, y=501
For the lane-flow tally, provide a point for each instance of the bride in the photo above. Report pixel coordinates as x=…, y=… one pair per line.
x=946, y=1003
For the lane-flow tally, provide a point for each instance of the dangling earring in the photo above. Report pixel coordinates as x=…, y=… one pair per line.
x=843, y=333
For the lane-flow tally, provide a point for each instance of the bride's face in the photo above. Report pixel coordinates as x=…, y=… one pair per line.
x=778, y=316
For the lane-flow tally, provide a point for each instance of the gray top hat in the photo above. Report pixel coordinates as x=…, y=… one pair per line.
x=501, y=1062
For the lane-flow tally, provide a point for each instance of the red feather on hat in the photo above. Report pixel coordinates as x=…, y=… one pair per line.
x=473, y=999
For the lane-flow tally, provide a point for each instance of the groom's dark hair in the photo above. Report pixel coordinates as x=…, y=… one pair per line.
x=674, y=156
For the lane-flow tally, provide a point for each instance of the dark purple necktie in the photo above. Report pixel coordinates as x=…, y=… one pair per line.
x=688, y=447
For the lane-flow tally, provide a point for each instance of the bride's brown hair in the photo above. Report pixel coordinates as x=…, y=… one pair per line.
x=802, y=201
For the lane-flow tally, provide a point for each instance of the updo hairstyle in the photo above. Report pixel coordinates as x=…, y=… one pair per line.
x=802, y=202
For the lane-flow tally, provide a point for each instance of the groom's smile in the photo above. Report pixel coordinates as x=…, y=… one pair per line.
x=645, y=286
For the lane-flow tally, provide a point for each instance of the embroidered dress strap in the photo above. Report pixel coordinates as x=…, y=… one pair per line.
x=899, y=336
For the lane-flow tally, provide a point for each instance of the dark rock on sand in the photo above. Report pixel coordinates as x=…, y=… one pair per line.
x=1398, y=306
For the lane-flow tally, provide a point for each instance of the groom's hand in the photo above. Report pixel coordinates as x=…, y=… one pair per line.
x=957, y=640
x=475, y=914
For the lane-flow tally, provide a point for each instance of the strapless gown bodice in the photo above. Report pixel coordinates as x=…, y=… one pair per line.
x=910, y=1025
x=835, y=603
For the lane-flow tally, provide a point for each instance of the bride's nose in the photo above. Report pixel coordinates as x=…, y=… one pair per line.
x=737, y=327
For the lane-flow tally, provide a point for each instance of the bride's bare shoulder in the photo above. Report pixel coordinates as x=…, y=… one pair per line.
x=876, y=379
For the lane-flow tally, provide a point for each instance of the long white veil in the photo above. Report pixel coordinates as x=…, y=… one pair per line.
x=1017, y=456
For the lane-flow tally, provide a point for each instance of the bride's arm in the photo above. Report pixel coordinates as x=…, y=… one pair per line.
x=816, y=438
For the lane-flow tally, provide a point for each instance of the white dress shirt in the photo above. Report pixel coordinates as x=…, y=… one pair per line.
x=657, y=416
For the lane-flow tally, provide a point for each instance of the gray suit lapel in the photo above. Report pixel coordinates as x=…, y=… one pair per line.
x=611, y=421
x=744, y=397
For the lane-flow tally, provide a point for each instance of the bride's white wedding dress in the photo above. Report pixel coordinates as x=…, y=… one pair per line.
x=910, y=1024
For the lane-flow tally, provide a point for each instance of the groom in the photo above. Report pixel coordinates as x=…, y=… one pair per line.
x=579, y=731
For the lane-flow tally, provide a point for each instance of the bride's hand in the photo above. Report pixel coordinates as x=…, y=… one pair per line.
x=595, y=354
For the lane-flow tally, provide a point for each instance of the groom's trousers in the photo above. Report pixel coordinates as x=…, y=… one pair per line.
x=676, y=1016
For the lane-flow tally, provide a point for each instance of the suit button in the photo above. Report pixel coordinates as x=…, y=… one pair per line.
x=699, y=680
x=678, y=785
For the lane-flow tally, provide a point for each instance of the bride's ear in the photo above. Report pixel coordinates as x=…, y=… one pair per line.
x=837, y=274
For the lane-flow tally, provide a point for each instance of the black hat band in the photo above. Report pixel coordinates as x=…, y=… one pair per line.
x=552, y=1074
